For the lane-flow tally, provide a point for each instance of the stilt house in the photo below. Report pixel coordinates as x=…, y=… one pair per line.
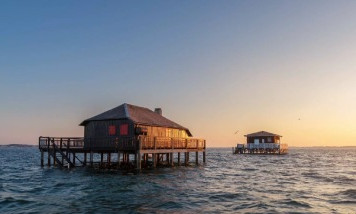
x=262, y=143
x=127, y=130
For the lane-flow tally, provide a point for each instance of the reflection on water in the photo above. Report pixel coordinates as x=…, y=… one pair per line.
x=304, y=181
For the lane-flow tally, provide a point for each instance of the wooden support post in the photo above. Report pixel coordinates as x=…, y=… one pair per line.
x=101, y=159
x=60, y=148
x=42, y=158
x=118, y=159
x=48, y=152
x=109, y=159
x=171, y=163
x=197, y=158
x=85, y=159
x=68, y=142
x=178, y=158
x=73, y=158
x=48, y=158
x=54, y=157
x=91, y=158
x=186, y=158
x=138, y=161
x=204, y=160
x=154, y=158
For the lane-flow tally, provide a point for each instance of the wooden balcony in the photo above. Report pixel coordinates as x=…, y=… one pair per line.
x=266, y=146
x=62, y=143
x=123, y=144
x=64, y=150
x=261, y=148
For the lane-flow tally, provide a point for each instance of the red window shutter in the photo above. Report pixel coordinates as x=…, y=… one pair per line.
x=112, y=130
x=124, y=129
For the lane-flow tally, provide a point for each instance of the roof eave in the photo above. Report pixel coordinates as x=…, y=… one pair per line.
x=87, y=121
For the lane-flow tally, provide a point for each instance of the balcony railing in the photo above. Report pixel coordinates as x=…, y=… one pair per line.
x=266, y=146
x=60, y=142
x=147, y=142
x=121, y=143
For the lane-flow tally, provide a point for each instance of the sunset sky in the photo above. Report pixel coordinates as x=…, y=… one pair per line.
x=287, y=67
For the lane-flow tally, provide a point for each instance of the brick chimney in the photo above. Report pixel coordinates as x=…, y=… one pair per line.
x=158, y=111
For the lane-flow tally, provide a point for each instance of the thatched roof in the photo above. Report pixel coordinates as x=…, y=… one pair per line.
x=138, y=115
x=262, y=134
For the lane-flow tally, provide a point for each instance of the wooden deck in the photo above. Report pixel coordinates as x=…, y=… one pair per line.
x=262, y=148
x=144, y=149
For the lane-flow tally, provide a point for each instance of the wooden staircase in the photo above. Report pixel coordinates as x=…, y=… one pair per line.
x=65, y=161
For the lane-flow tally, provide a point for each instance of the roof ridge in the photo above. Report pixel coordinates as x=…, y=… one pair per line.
x=136, y=106
x=127, y=113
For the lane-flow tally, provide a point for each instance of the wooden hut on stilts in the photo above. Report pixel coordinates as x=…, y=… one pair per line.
x=261, y=143
x=138, y=136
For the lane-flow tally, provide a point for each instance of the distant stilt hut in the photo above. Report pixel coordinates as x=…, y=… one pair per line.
x=262, y=143
x=127, y=130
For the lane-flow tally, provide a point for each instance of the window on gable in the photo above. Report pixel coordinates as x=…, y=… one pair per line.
x=124, y=129
x=112, y=130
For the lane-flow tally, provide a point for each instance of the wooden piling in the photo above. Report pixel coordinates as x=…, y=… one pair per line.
x=54, y=157
x=196, y=158
x=186, y=157
x=178, y=158
x=154, y=158
x=48, y=151
x=204, y=159
x=171, y=162
x=138, y=161
x=42, y=158
x=91, y=158
x=85, y=159
x=109, y=159
x=74, y=158
x=118, y=159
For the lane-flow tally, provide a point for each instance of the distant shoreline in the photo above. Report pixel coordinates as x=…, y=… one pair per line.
x=296, y=147
x=18, y=145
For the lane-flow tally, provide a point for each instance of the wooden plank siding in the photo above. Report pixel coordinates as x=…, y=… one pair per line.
x=265, y=139
x=96, y=133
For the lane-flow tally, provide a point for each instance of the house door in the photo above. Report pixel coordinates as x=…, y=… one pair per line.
x=256, y=141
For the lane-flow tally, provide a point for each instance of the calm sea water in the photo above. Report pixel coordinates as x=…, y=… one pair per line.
x=304, y=181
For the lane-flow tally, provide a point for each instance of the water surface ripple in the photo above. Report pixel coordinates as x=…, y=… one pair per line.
x=314, y=180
